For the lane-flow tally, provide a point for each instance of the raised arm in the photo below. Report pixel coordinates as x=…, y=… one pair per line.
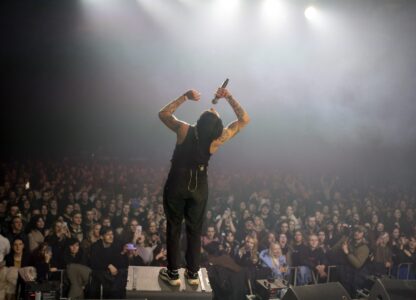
x=166, y=113
x=234, y=127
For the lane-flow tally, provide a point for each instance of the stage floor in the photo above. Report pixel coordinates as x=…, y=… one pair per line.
x=144, y=282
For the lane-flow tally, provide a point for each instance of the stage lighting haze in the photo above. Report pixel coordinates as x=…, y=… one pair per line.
x=311, y=13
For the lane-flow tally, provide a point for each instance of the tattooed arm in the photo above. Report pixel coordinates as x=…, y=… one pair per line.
x=166, y=113
x=234, y=127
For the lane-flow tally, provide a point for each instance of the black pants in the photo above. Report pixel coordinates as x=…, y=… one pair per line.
x=185, y=196
x=114, y=287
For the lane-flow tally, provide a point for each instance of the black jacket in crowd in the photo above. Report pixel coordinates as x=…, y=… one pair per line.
x=101, y=257
x=312, y=258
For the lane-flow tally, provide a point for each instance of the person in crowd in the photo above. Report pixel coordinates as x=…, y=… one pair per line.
x=382, y=258
x=209, y=219
x=84, y=201
x=209, y=237
x=313, y=262
x=396, y=220
x=260, y=228
x=298, y=247
x=406, y=255
x=354, y=257
x=246, y=230
x=267, y=240
x=125, y=213
x=106, y=221
x=286, y=248
x=311, y=226
x=88, y=221
x=13, y=211
x=77, y=270
x=133, y=257
x=131, y=233
x=17, y=230
x=154, y=239
x=274, y=259
x=42, y=261
x=75, y=227
x=159, y=256
x=37, y=232
x=266, y=215
x=247, y=255
x=56, y=239
x=322, y=241
x=92, y=236
x=18, y=256
x=291, y=216
x=25, y=210
x=67, y=215
x=225, y=223
x=226, y=277
x=229, y=244
x=44, y=212
x=54, y=208
x=16, y=259
x=73, y=253
x=152, y=228
x=283, y=227
x=144, y=250
x=109, y=267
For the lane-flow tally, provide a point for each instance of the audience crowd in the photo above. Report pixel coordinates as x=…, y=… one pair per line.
x=93, y=219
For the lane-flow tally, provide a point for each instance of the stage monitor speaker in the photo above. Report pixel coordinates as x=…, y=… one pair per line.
x=332, y=291
x=393, y=289
x=144, y=283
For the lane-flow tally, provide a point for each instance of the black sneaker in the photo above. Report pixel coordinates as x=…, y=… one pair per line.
x=191, y=278
x=170, y=277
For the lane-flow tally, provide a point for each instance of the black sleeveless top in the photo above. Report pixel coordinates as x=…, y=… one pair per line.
x=190, y=154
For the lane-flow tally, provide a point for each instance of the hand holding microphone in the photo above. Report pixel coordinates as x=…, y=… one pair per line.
x=222, y=92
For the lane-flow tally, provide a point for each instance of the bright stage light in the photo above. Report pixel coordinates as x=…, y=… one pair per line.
x=272, y=12
x=159, y=10
x=226, y=8
x=311, y=13
x=223, y=15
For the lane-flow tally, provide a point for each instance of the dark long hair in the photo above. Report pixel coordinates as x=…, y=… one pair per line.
x=209, y=127
x=33, y=226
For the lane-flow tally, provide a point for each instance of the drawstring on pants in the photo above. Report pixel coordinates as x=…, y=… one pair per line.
x=190, y=180
x=199, y=168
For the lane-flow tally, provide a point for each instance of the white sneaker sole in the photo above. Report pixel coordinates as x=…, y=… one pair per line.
x=194, y=282
x=172, y=282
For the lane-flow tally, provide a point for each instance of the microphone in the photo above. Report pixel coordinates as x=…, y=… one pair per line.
x=224, y=85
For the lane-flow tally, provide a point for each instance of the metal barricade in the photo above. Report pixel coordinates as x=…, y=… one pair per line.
x=292, y=271
x=408, y=266
x=331, y=267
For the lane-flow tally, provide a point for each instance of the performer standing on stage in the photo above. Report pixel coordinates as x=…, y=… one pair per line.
x=185, y=193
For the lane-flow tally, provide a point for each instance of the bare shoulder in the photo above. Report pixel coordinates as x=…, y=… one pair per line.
x=227, y=133
x=182, y=132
